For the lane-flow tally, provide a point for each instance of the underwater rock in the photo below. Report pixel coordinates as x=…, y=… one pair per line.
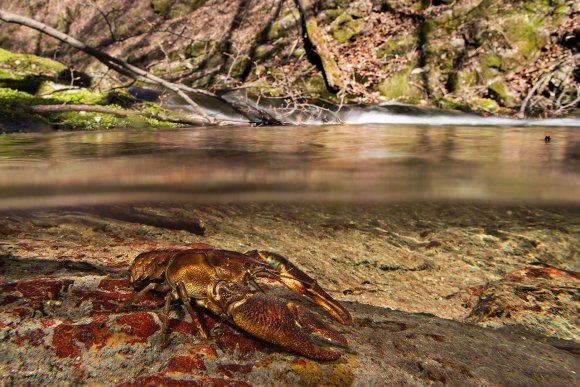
x=386, y=346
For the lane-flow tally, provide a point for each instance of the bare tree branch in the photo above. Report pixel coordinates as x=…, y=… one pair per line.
x=541, y=81
x=116, y=64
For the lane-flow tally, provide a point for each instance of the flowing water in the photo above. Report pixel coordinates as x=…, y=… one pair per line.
x=350, y=163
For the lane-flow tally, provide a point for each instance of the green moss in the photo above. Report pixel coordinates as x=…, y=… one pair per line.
x=399, y=87
x=485, y=104
x=264, y=89
x=452, y=104
x=466, y=78
x=276, y=31
x=327, y=16
x=316, y=87
x=26, y=72
x=499, y=92
x=344, y=28
x=240, y=66
x=396, y=46
x=15, y=97
x=84, y=120
x=80, y=96
x=330, y=67
x=489, y=65
x=282, y=27
x=491, y=60
x=524, y=33
x=198, y=49
x=30, y=63
x=70, y=120
x=263, y=52
x=441, y=56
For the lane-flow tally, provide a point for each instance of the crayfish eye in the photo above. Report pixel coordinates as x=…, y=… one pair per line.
x=219, y=288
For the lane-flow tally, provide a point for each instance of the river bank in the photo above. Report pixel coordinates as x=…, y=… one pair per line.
x=489, y=57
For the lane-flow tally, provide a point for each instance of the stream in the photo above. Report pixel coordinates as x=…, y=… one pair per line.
x=453, y=245
x=323, y=163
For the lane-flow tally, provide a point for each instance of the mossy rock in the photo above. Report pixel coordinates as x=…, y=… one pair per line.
x=466, y=78
x=9, y=97
x=400, y=86
x=264, y=89
x=449, y=103
x=500, y=93
x=396, y=46
x=525, y=33
x=442, y=55
x=333, y=4
x=316, y=87
x=29, y=72
x=76, y=120
x=240, y=66
x=171, y=9
x=345, y=28
x=198, y=50
x=490, y=66
x=327, y=16
x=283, y=26
x=485, y=104
x=26, y=72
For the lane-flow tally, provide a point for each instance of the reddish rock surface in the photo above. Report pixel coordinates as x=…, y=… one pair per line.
x=59, y=322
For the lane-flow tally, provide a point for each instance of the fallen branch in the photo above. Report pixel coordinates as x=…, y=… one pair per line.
x=253, y=114
x=113, y=63
x=541, y=81
x=132, y=215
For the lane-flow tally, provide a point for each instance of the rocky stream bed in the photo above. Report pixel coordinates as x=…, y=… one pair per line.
x=440, y=294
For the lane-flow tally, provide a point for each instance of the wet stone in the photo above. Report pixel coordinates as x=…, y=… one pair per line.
x=190, y=363
x=231, y=369
x=68, y=339
x=139, y=324
x=39, y=290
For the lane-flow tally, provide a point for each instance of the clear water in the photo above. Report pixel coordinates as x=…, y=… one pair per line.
x=398, y=216
x=349, y=163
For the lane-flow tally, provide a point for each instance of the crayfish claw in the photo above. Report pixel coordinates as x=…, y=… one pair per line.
x=279, y=322
x=294, y=278
x=318, y=331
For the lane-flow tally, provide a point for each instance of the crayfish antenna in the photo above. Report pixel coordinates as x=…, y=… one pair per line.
x=292, y=277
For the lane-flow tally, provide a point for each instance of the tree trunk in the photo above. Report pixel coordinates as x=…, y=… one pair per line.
x=316, y=47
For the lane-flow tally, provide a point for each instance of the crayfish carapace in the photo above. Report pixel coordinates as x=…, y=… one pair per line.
x=225, y=283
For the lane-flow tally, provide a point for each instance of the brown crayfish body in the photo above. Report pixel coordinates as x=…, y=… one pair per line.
x=225, y=283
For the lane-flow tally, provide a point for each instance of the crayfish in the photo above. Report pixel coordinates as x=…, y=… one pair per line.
x=225, y=283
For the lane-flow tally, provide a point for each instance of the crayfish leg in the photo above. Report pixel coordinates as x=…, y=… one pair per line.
x=165, y=320
x=182, y=293
x=141, y=293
